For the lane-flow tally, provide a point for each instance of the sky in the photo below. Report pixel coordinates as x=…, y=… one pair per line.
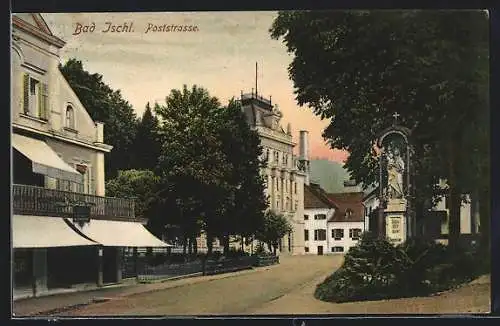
x=219, y=55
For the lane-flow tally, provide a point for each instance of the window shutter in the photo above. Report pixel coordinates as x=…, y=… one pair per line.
x=44, y=104
x=26, y=94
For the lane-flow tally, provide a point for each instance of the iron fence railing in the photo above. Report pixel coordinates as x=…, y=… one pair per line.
x=31, y=200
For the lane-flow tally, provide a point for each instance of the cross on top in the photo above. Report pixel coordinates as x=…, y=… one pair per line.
x=396, y=116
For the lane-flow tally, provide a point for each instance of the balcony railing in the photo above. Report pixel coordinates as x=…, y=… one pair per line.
x=31, y=200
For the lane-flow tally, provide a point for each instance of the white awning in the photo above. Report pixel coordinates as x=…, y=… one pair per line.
x=119, y=234
x=44, y=232
x=44, y=160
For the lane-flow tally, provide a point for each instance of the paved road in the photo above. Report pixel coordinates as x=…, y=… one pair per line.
x=286, y=288
x=243, y=293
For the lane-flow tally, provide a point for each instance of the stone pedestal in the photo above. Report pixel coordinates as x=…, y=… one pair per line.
x=395, y=221
x=39, y=271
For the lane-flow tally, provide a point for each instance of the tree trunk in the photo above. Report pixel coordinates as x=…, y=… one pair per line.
x=210, y=244
x=454, y=200
x=270, y=247
x=195, y=246
x=184, y=244
x=190, y=247
x=226, y=244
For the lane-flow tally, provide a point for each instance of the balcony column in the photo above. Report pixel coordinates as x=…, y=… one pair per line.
x=119, y=256
x=39, y=271
x=100, y=280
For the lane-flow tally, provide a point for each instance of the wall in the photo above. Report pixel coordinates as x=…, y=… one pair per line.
x=465, y=216
x=346, y=242
x=311, y=224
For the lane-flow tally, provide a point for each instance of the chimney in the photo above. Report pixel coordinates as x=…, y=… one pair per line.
x=99, y=132
x=304, y=154
x=304, y=146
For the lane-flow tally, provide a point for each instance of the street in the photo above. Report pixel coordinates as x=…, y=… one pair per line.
x=284, y=289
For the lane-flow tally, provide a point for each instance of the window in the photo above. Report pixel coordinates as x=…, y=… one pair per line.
x=276, y=157
x=348, y=213
x=320, y=234
x=35, y=102
x=296, y=204
x=70, y=117
x=306, y=217
x=337, y=249
x=287, y=203
x=283, y=161
x=306, y=249
x=337, y=234
x=295, y=186
x=320, y=217
x=354, y=234
x=306, y=235
x=278, y=185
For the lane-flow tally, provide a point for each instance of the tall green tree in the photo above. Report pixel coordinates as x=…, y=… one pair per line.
x=357, y=68
x=106, y=105
x=147, y=143
x=274, y=228
x=242, y=147
x=192, y=165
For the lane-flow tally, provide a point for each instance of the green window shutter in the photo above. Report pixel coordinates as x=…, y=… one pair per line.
x=26, y=93
x=44, y=104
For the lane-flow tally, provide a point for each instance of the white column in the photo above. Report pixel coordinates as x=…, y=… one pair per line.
x=100, y=177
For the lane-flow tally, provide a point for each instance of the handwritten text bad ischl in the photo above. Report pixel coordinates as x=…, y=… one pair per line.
x=128, y=27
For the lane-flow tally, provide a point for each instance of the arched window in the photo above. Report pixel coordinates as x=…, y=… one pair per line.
x=70, y=117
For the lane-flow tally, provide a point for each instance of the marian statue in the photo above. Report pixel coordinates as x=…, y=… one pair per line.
x=395, y=172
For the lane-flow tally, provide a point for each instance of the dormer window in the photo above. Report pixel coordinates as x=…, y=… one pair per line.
x=70, y=117
x=348, y=213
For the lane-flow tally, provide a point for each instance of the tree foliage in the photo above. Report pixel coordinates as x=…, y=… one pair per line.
x=357, y=68
x=147, y=143
x=138, y=184
x=209, y=166
x=274, y=228
x=106, y=105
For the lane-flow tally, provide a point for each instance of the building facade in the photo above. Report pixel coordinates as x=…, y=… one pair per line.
x=285, y=174
x=318, y=210
x=64, y=230
x=347, y=223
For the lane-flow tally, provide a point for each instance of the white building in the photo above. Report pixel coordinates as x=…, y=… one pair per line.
x=333, y=222
x=347, y=223
x=64, y=230
x=318, y=209
x=285, y=173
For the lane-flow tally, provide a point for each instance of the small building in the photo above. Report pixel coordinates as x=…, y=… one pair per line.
x=65, y=231
x=318, y=210
x=347, y=223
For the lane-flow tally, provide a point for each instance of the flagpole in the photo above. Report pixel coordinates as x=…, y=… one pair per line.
x=256, y=69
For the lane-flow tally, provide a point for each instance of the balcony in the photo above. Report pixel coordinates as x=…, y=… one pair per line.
x=31, y=200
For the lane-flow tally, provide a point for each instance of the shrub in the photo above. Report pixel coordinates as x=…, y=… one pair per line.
x=375, y=269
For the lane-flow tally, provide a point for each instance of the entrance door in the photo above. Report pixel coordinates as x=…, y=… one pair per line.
x=320, y=250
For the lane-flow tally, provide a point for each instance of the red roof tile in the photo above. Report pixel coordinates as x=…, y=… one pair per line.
x=350, y=207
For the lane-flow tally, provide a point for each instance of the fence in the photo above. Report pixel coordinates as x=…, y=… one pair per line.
x=141, y=267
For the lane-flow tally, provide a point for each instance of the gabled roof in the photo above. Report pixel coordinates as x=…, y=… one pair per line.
x=348, y=202
x=36, y=25
x=316, y=197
